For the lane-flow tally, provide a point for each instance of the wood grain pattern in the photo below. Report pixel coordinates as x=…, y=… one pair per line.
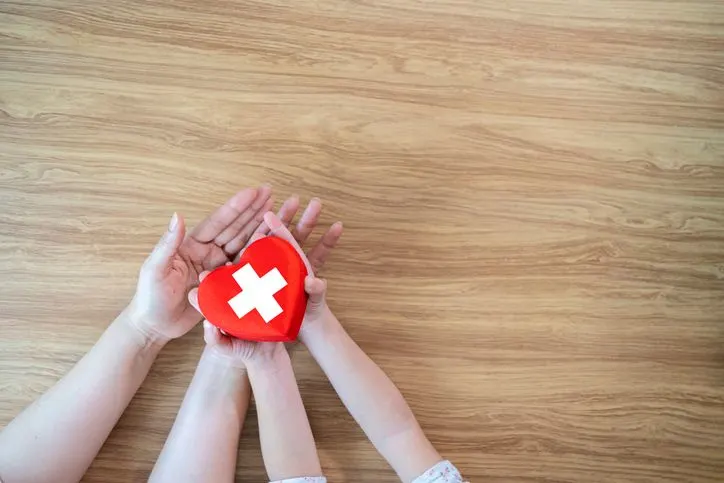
x=533, y=194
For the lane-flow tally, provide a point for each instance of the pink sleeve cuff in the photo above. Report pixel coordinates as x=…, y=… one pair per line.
x=305, y=479
x=443, y=472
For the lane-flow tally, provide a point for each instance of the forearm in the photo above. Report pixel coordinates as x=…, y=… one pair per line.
x=56, y=438
x=371, y=398
x=286, y=438
x=203, y=442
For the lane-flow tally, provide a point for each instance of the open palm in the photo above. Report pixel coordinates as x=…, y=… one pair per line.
x=244, y=351
x=160, y=307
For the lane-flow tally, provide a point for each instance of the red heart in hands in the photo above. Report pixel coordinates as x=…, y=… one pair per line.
x=261, y=298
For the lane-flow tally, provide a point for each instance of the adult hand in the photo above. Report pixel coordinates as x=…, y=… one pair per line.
x=159, y=308
x=244, y=352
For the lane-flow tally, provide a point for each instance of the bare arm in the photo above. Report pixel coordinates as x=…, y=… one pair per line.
x=56, y=438
x=204, y=440
x=369, y=395
x=287, y=443
x=286, y=439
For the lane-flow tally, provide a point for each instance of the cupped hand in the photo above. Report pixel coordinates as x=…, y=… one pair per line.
x=315, y=287
x=235, y=351
x=160, y=309
x=244, y=352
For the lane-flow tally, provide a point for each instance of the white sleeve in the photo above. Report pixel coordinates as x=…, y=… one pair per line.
x=306, y=479
x=443, y=472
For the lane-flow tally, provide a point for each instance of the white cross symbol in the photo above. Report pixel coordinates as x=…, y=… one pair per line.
x=257, y=293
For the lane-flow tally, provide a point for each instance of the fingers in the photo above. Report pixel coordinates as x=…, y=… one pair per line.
x=193, y=297
x=242, y=237
x=316, y=288
x=203, y=275
x=308, y=221
x=277, y=228
x=244, y=218
x=212, y=335
x=166, y=247
x=206, y=273
x=217, y=222
x=254, y=237
x=319, y=254
x=286, y=215
x=287, y=211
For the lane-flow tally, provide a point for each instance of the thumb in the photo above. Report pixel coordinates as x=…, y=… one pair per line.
x=212, y=335
x=316, y=288
x=168, y=244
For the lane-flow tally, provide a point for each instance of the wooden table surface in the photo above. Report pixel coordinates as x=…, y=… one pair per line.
x=533, y=195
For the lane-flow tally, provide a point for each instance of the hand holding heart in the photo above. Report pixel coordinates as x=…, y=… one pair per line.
x=160, y=309
x=243, y=351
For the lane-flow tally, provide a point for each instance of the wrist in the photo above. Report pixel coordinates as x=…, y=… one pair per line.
x=140, y=330
x=221, y=379
x=316, y=326
x=222, y=360
x=269, y=360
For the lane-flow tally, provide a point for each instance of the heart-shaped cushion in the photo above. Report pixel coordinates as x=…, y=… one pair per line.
x=262, y=297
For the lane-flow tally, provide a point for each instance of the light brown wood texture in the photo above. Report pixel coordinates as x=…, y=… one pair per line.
x=533, y=195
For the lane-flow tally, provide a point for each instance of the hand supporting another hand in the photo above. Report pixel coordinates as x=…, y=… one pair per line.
x=369, y=395
x=317, y=310
x=57, y=437
x=215, y=404
x=276, y=225
x=160, y=310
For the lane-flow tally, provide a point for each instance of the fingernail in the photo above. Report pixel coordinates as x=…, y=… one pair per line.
x=174, y=221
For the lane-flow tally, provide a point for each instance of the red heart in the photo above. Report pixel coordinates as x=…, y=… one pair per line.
x=272, y=274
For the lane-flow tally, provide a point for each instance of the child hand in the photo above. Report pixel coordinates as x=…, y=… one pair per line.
x=242, y=351
x=276, y=225
x=236, y=352
x=159, y=309
x=317, y=309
